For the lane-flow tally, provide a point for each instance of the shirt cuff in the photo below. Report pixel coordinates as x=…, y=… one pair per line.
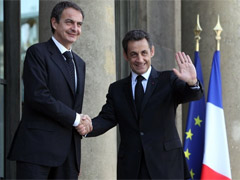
x=77, y=120
x=196, y=86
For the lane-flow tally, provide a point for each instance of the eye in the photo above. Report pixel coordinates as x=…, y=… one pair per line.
x=133, y=55
x=68, y=21
x=144, y=53
x=79, y=24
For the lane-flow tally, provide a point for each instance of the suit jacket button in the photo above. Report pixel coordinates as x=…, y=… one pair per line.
x=141, y=133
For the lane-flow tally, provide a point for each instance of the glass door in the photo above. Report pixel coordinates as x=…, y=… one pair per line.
x=29, y=32
x=2, y=82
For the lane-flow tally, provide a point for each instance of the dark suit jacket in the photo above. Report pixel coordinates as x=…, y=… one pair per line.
x=45, y=132
x=155, y=135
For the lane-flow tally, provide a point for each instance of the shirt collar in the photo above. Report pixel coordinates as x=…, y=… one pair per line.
x=145, y=75
x=61, y=48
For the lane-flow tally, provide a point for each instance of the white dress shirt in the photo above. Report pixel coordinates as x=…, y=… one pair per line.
x=62, y=49
x=144, y=82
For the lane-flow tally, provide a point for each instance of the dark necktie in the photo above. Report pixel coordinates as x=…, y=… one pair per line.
x=69, y=60
x=139, y=93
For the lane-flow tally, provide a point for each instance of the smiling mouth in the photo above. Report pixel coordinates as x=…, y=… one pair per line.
x=72, y=34
x=140, y=65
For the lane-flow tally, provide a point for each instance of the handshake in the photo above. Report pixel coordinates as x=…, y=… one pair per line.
x=85, y=125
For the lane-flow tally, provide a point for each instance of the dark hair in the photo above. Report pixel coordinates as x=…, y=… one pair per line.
x=135, y=35
x=58, y=9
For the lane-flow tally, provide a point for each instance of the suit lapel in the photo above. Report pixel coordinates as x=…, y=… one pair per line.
x=57, y=57
x=129, y=95
x=79, y=75
x=151, y=85
x=80, y=78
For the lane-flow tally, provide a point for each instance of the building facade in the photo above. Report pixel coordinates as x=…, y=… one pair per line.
x=171, y=24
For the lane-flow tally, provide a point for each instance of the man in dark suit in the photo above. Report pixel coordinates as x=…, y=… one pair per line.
x=46, y=143
x=144, y=107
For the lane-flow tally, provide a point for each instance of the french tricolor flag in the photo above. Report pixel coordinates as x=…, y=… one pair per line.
x=216, y=163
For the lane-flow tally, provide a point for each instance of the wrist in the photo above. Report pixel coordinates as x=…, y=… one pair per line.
x=77, y=120
x=194, y=83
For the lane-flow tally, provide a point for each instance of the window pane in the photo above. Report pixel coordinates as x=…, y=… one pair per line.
x=29, y=30
x=1, y=41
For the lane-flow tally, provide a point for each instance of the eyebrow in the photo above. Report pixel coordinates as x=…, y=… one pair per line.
x=78, y=22
x=133, y=52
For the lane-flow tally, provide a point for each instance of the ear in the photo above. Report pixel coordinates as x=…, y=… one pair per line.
x=53, y=22
x=125, y=56
x=152, y=51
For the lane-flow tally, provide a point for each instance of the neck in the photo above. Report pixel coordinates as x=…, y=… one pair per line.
x=67, y=46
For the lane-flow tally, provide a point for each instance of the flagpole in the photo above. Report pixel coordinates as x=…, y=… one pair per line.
x=197, y=32
x=195, y=126
x=216, y=161
x=218, y=30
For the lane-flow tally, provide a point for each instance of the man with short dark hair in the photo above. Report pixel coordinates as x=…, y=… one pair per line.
x=46, y=144
x=144, y=106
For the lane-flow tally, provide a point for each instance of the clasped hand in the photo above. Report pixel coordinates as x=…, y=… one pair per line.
x=85, y=125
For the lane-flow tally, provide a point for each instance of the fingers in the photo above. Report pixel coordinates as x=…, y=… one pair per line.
x=86, y=117
x=189, y=59
x=176, y=72
x=182, y=58
x=178, y=60
x=85, y=125
x=83, y=129
x=185, y=60
x=87, y=122
x=186, y=70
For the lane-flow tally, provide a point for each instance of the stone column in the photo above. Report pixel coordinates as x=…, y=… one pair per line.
x=229, y=12
x=97, y=47
x=164, y=24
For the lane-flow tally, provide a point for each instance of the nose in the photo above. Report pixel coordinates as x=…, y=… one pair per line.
x=74, y=27
x=140, y=58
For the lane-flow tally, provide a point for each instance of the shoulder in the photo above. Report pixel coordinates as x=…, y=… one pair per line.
x=41, y=53
x=36, y=51
x=39, y=48
x=78, y=58
x=164, y=77
x=121, y=82
x=168, y=74
x=120, y=85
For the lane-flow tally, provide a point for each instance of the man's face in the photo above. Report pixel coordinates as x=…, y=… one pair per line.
x=139, y=56
x=69, y=27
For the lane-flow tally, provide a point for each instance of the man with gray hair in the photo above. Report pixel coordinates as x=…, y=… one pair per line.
x=46, y=144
